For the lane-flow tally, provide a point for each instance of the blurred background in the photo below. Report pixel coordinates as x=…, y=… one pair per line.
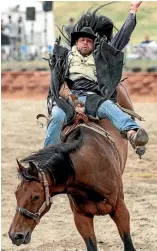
x=28, y=31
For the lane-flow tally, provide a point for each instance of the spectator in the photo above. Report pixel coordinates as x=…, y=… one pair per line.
x=4, y=37
x=4, y=42
x=146, y=40
x=13, y=33
x=70, y=26
x=21, y=37
x=2, y=26
x=21, y=31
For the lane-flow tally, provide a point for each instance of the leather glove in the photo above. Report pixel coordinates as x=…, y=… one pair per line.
x=73, y=98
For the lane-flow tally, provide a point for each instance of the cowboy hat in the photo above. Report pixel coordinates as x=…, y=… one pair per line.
x=84, y=32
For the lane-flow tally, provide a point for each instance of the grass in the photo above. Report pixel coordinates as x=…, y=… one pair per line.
x=43, y=65
x=118, y=12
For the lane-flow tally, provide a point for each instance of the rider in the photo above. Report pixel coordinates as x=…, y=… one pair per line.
x=82, y=80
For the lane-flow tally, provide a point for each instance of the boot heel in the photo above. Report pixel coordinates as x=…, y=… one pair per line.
x=140, y=150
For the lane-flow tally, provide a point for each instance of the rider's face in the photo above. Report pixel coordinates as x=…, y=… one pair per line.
x=85, y=45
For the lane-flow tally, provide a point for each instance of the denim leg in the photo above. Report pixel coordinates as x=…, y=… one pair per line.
x=121, y=120
x=82, y=98
x=55, y=126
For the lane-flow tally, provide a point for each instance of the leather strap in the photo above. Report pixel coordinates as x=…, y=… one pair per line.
x=131, y=113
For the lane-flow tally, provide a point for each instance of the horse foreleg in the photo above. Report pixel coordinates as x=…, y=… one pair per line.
x=122, y=219
x=85, y=227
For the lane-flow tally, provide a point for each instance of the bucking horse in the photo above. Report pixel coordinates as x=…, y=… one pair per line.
x=88, y=167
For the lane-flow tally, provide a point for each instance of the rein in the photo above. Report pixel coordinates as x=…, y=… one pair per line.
x=48, y=201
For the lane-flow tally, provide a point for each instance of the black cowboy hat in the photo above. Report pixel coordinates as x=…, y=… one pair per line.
x=84, y=32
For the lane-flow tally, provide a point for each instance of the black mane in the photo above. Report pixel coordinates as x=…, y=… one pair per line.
x=100, y=24
x=55, y=160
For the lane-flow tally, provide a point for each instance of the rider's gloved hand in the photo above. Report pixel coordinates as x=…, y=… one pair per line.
x=78, y=104
x=80, y=109
x=75, y=100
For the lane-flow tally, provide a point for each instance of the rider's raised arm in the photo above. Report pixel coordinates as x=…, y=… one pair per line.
x=122, y=38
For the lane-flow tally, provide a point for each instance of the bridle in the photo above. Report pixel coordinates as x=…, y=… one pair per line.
x=48, y=201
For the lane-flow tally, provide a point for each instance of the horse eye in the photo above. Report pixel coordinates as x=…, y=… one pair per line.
x=36, y=197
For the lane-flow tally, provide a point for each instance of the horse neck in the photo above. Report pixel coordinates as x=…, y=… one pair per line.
x=55, y=188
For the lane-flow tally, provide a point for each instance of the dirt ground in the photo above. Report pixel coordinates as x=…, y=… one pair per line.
x=56, y=231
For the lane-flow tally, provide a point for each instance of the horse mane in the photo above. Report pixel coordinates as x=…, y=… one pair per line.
x=55, y=160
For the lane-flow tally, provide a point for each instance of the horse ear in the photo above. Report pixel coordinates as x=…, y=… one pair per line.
x=20, y=167
x=33, y=170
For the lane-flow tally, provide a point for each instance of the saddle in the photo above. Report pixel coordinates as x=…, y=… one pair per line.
x=88, y=122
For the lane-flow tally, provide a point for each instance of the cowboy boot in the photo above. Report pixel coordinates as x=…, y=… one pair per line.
x=138, y=141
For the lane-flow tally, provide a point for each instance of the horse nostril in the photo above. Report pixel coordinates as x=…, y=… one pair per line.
x=19, y=236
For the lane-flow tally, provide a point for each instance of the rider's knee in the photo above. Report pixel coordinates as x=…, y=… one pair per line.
x=108, y=102
x=105, y=106
x=58, y=115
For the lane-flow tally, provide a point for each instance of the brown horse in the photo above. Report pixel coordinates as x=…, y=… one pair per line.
x=88, y=168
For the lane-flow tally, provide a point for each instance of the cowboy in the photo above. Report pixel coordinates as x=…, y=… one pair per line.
x=91, y=73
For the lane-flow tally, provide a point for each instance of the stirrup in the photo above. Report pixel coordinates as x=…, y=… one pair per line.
x=140, y=150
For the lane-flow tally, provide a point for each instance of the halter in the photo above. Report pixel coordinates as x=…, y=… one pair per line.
x=47, y=202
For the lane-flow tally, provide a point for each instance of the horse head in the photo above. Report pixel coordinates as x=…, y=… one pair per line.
x=31, y=205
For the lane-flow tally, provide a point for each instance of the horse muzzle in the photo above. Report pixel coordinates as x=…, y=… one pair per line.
x=20, y=238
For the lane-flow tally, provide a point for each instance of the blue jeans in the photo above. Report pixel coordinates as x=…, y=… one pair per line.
x=108, y=110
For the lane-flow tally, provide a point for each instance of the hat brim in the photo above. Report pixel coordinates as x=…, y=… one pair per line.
x=76, y=35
